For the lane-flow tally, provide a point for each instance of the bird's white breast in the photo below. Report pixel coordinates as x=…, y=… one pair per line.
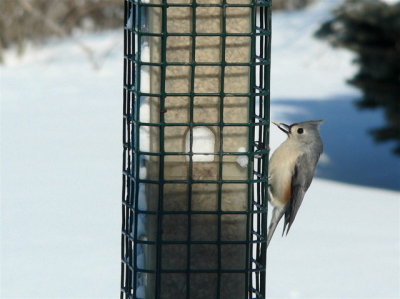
x=281, y=169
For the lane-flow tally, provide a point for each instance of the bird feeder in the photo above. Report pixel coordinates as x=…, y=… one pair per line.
x=196, y=114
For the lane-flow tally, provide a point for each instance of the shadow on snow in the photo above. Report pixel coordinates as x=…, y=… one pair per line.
x=351, y=154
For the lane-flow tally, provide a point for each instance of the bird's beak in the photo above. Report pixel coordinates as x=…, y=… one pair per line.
x=283, y=127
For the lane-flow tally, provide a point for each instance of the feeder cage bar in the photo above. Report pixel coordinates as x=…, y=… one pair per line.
x=195, y=149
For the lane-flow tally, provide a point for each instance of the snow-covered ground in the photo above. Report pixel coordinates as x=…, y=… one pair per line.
x=61, y=161
x=61, y=156
x=391, y=2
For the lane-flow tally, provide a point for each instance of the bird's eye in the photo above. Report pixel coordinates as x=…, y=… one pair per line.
x=300, y=130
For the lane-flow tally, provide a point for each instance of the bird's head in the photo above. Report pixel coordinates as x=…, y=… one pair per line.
x=304, y=131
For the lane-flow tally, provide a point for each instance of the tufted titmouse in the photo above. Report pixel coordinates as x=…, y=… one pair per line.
x=291, y=170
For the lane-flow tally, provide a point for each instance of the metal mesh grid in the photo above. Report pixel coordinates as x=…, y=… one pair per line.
x=156, y=245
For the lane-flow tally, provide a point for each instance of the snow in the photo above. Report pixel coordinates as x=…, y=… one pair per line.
x=344, y=244
x=129, y=23
x=308, y=82
x=61, y=157
x=61, y=172
x=391, y=2
x=345, y=240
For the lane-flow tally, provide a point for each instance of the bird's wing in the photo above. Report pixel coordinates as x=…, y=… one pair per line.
x=301, y=180
x=277, y=214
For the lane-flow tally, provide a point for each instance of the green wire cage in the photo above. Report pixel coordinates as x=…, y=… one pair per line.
x=196, y=116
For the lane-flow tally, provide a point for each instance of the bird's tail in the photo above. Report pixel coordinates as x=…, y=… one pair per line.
x=277, y=214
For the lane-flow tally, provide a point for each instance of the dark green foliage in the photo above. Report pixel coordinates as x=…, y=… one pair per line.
x=371, y=29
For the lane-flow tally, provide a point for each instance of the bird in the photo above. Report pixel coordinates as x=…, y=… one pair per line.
x=291, y=170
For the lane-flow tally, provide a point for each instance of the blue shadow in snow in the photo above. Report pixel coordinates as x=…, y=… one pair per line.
x=353, y=155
